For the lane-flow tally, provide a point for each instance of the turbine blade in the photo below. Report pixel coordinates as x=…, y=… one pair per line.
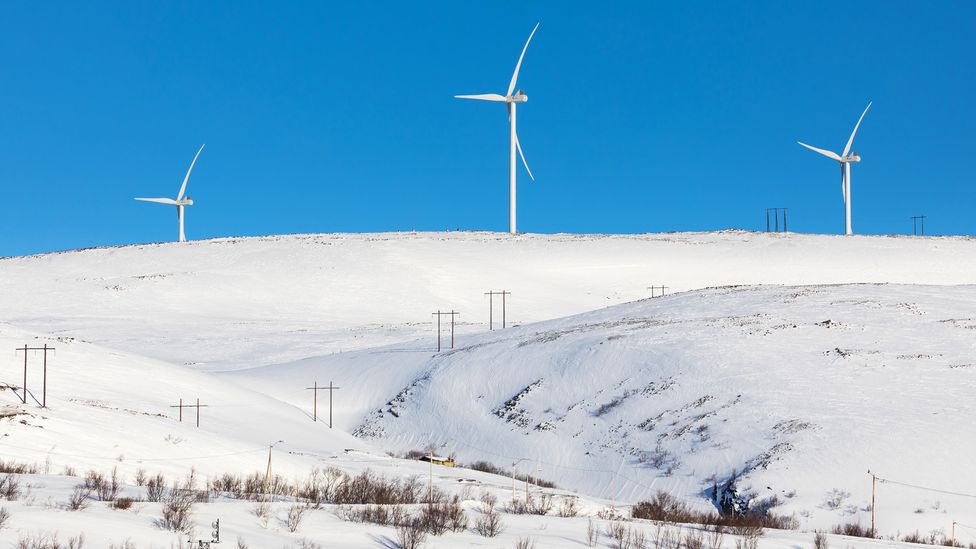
x=518, y=145
x=187, y=178
x=826, y=153
x=850, y=141
x=511, y=86
x=169, y=201
x=482, y=97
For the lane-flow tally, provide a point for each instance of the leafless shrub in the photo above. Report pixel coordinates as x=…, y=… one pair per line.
x=519, y=507
x=177, y=510
x=457, y=520
x=241, y=544
x=524, y=543
x=262, y=510
x=141, y=477
x=487, y=467
x=434, y=518
x=80, y=498
x=155, y=487
x=592, y=535
x=49, y=541
x=716, y=534
x=489, y=524
x=694, y=539
x=12, y=467
x=4, y=517
x=664, y=507
x=638, y=539
x=568, y=507
x=107, y=489
x=541, y=505
x=308, y=544
x=854, y=529
x=820, y=541
x=488, y=501
x=121, y=504
x=746, y=543
x=295, y=515
x=10, y=487
x=411, y=534
x=668, y=538
x=610, y=513
x=127, y=544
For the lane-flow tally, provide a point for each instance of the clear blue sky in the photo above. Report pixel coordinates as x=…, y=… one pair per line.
x=339, y=116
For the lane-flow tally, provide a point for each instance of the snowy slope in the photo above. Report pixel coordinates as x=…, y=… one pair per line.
x=222, y=303
x=800, y=390
x=701, y=383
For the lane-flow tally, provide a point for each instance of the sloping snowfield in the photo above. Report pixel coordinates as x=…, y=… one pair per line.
x=795, y=362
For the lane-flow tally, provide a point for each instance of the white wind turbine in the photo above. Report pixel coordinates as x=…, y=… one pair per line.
x=512, y=100
x=845, y=160
x=181, y=200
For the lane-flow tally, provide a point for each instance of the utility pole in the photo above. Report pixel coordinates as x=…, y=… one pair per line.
x=916, y=221
x=331, y=389
x=267, y=473
x=452, y=314
x=315, y=400
x=25, y=350
x=197, y=406
x=776, y=215
x=654, y=290
x=874, y=482
x=491, y=306
x=180, y=406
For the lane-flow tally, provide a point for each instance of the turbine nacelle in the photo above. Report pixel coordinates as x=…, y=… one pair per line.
x=519, y=97
x=853, y=157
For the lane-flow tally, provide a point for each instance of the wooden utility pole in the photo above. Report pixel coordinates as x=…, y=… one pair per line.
x=315, y=400
x=491, y=307
x=874, y=482
x=25, y=350
x=452, y=314
x=197, y=406
x=331, y=389
x=915, y=225
x=654, y=290
x=180, y=406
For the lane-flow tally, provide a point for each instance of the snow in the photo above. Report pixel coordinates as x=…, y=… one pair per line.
x=799, y=361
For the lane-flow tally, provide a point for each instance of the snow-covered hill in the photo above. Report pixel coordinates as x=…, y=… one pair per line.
x=228, y=303
x=841, y=354
x=799, y=390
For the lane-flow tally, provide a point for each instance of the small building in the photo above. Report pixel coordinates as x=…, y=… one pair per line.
x=438, y=460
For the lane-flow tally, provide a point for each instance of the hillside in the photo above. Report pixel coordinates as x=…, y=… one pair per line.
x=230, y=303
x=795, y=362
x=799, y=390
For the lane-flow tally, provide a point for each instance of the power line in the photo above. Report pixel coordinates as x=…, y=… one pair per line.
x=926, y=488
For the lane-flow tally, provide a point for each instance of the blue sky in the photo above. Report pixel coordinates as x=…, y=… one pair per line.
x=339, y=116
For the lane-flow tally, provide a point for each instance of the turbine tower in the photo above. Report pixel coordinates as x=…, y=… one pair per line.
x=512, y=101
x=845, y=159
x=181, y=200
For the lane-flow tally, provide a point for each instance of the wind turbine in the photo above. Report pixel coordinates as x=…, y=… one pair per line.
x=181, y=200
x=845, y=159
x=512, y=101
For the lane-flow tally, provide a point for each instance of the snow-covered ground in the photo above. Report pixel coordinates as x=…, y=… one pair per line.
x=842, y=354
